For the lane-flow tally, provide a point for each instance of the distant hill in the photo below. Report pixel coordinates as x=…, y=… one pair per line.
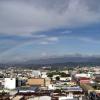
x=69, y=61
x=65, y=60
x=58, y=60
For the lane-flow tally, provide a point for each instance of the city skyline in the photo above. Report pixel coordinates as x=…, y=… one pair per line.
x=36, y=29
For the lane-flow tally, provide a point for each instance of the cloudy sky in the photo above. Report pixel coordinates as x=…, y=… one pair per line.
x=34, y=29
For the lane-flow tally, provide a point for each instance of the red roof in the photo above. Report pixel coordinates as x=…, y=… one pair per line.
x=84, y=78
x=98, y=94
x=84, y=81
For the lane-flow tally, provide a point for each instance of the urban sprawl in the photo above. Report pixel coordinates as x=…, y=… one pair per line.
x=78, y=83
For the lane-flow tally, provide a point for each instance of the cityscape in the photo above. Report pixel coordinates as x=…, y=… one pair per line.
x=49, y=49
x=79, y=83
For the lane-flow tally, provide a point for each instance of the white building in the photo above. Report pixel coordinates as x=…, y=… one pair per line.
x=44, y=74
x=51, y=87
x=10, y=83
x=36, y=73
x=68, y=97
x=82, y=75
x=41, y=98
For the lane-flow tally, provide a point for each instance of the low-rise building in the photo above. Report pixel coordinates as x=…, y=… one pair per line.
x=84, y=80
x=10, y=83
x=36, y=73
x=36, y=81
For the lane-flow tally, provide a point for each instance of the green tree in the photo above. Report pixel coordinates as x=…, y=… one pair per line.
x=57, y=78
x=50, y=75
x=63, y=74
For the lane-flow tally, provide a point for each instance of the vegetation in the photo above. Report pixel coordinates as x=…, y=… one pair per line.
x=57, y=91
x=50, y=75
x=57, y=78
x=62, y=74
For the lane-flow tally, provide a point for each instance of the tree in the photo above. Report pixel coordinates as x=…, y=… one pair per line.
x=63, y=74
x=57, y=91
x=50, y=75
x=57, y=78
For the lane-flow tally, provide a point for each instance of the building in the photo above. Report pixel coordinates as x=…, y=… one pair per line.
x=82, y=75
x=26, y=90
x=97, y=78
x=18, y=98
x=84, y=80
x=41, y=98
x=36, y=73
x=94, y=96
x=10, y=83
x=68, y=97
x=36, y=82
x=47, y=81
x=44, y=74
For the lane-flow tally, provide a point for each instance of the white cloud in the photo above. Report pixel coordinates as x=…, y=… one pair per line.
x=27, y=17
x=89, y=40
x=84, y=39
x=53, y=39
x=24, y=17
x=44, y=42
x=49, y=40
x=66, y=32
x=44, y=54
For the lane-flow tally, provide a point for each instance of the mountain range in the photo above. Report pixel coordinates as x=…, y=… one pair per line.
x=65, y=59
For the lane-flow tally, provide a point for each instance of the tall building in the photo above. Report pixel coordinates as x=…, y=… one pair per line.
x=10, y=83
